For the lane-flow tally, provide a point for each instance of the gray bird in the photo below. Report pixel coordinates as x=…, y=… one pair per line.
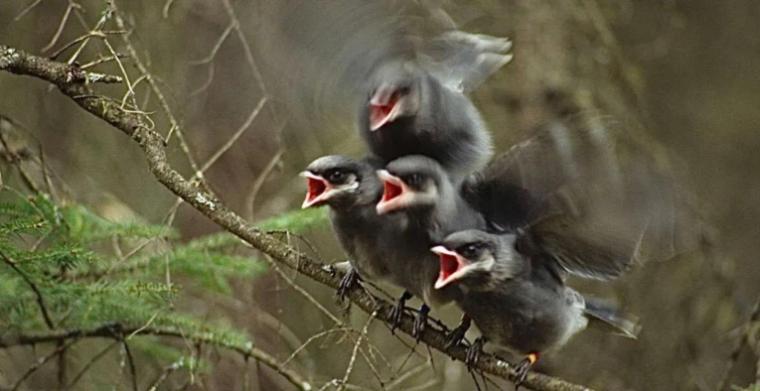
x=351, y=189
x=421, y=195
x=417, y=104
x=381, y=247
x=516, y=295
x=420, y=188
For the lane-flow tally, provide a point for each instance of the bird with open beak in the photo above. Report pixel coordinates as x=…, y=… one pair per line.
x=516, y=295
x=418, y=189
x=417, y=104
x=351, y=189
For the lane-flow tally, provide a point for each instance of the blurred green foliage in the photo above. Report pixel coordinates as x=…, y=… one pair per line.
x=85, y=277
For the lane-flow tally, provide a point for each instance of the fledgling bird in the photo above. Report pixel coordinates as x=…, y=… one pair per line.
x=417, y=104
x=351, y=189
x=516, y=295
x=384, y=247
x=420, y=187
x=420, y=194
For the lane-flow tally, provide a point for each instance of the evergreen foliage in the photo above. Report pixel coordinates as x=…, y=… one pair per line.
x=63, y=268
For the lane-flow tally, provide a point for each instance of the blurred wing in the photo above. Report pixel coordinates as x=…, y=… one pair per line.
x=588, y=196
x=318, y=56
x=462, y=61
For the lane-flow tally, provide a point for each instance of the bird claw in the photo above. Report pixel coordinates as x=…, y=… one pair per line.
x=473, y=353
x=456, y=336
x=347, y=283
x=420, y=322
x=397, y=312
x=521, y=371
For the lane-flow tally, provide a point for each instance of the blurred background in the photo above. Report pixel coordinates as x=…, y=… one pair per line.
x=683, y=74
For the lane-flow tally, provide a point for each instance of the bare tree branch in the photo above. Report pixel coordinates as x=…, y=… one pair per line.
x=153, y=146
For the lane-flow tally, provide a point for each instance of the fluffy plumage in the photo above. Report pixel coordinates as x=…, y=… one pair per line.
x=381, y=247
x=516, y=294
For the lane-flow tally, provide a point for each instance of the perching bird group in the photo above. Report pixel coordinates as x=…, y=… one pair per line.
x=426, y=211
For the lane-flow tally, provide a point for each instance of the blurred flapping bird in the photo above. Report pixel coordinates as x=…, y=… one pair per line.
x=577, y=199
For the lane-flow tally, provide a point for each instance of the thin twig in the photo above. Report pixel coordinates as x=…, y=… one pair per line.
x=61, y=25
x=175, y=126
x=131, y=363
x=354, y=352
x=89, y=364
x=168, y=370
x=250, y=200
x=26, y=10
x=40, y=300
x=42, y=361
x=215, y=49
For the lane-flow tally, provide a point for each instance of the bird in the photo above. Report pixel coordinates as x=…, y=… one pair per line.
x=515, y=293
x=418, y=191
x=351, y=189
x=417, y=102
x=381, y=247
x=420, y=188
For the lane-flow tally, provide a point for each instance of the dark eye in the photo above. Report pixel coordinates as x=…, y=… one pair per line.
x=403, y=90
x=471, y=250
x=413, y=179
x=336, y=176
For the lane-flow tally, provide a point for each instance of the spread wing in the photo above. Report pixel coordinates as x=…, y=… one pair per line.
x=462, y=61
x=588, y=197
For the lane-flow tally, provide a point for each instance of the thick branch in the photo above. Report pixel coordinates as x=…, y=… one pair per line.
x=114, y=330
x=152, y=144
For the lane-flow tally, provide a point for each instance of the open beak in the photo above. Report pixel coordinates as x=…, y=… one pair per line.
x=452, y=266
x=396, y=194
x=317, y=190
x=384, y=107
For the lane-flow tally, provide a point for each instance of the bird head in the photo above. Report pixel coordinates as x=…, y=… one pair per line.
x=331, y=180
x=396, y=95
x=410, y=183
x=466, y=256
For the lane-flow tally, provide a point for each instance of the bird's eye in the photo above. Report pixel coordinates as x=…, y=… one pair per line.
x=336, y=176
x=470, y=250
x=404, y=90
x=413, y=179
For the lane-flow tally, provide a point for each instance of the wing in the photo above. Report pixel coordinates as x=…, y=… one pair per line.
x=462, y=61
x=587, y=196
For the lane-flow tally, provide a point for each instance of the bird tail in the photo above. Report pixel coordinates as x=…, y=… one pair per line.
x=607, y=314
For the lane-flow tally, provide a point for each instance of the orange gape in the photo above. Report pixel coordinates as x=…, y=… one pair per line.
x=533, y=357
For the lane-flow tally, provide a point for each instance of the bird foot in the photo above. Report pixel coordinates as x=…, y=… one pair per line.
x=522, y=369
x=420, y=322
x=397, y=312
x=348, y=282
x=456, y=336
x=473, y=353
